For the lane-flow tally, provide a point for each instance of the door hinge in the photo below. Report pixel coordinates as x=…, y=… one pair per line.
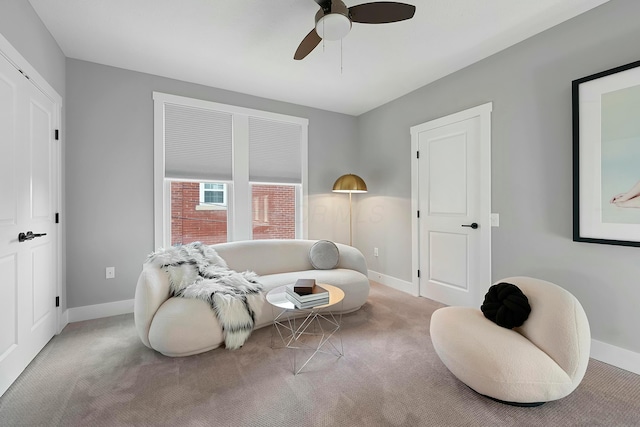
x=57, y=301
x=24, y=74
x=418, y=214
x=57, y=134
x=417, y=154
x=57, y=218
x=418, y=273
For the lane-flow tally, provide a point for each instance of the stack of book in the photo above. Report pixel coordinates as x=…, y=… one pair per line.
x=306, y=294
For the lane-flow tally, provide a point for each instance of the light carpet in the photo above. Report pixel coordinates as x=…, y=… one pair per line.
x=98, y=373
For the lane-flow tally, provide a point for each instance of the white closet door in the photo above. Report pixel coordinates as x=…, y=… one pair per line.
x=28, y=194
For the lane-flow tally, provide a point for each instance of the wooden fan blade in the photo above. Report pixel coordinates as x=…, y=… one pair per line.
x=307, y=45
x=324, y=4
x=381, y=12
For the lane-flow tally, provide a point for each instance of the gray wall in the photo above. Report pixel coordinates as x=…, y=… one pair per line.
x=530, y=87
x=109, y=163
x=110, y=172
x=22, y=27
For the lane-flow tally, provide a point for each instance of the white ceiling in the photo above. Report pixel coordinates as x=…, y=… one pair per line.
x=247, y=46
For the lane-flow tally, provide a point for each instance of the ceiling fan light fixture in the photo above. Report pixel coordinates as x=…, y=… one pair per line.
x=334, y=18
x=333, y=26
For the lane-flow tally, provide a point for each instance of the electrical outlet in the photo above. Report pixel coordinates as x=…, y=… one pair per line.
x=110, y=272
x=375, y=251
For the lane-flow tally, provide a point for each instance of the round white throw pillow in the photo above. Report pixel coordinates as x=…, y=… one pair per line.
x=324, y=255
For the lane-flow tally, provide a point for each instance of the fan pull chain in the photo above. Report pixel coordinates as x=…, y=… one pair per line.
x=340, y=56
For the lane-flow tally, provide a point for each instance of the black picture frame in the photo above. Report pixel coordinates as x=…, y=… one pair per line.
x=589, y=205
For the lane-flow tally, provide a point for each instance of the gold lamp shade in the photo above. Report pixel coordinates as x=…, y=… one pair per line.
x=350, y=183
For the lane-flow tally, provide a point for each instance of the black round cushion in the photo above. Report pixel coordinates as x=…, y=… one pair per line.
x=506, y=305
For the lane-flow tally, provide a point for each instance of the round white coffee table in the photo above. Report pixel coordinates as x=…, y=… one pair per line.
x=312, y=329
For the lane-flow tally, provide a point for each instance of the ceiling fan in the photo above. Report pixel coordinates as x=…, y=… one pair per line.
x=334, y=19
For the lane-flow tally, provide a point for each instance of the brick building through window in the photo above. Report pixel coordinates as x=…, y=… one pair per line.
x=192, y=219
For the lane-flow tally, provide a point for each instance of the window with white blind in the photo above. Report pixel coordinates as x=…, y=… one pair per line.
x=225, y=173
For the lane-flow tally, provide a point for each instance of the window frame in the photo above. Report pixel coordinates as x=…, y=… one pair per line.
x=239, y=190
x=203, y=205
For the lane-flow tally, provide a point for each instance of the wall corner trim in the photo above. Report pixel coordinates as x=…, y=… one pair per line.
x=63, y=321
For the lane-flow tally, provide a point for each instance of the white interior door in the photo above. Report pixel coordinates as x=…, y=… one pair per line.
x=453, y=199
x=28, y=197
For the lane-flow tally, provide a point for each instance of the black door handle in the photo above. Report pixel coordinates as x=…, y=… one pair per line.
x=29, y=235
x=473, y=225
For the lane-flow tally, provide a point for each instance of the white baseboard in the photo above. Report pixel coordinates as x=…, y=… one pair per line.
x=97, y=311
x=63, y=320
x=607, y=353
x=392, y=282
x=616, y=356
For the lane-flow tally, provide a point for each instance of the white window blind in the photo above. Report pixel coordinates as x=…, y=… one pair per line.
x=208, y=142
x=198, y=143
x=274, y=151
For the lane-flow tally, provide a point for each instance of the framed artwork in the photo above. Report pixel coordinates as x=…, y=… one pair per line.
x=606, y=157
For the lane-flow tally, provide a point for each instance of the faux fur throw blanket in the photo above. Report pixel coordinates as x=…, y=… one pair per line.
x=197, y=271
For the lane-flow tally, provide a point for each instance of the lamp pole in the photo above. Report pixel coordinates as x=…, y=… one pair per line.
x=350, y=222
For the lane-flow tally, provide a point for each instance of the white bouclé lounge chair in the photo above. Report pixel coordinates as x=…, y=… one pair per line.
x=543, y=360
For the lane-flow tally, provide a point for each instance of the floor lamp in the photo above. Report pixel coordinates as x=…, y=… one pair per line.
x=350, y=184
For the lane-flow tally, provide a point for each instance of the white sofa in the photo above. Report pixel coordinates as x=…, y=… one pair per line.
x=182, y=327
